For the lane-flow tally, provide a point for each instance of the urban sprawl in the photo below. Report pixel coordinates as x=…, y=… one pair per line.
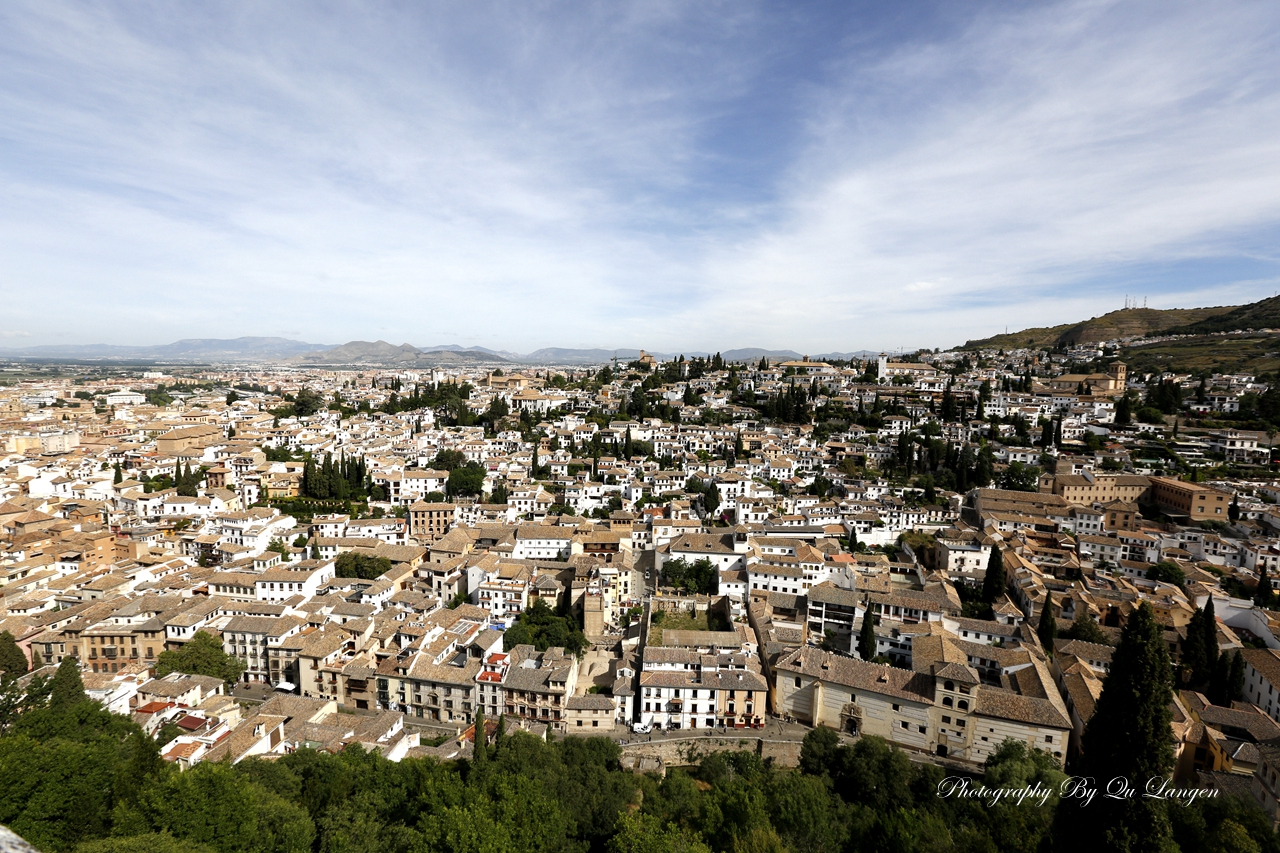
x=940, y=552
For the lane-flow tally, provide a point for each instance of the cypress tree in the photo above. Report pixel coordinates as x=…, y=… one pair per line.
x=1047, y=630
x=1194, y=663
x=1235, y=679
x=867, y=636
x=1128, y=736
x=1209, y=638
x=1124, y=413
x=480, y=753
x=994, y=582
x=1220, y=682
x=119, y=475
x=12, y=661
x=1263, y=594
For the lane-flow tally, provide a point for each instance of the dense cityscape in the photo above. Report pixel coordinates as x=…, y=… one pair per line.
x=713, y=571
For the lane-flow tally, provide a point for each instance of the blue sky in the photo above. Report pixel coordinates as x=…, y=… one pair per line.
x=676, y=176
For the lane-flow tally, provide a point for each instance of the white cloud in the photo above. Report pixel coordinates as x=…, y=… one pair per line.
x=505, y=177
x=1074, y=141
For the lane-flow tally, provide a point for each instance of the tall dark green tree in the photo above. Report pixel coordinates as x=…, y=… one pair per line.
x=1124, y=410
x=867, y=637
x=1128, y=736
x=711, y=499
x=1195, y=660
x=1047, y=630
x=480, y=751
x=993, y=583
x=1235, y=680
x=1220, y=682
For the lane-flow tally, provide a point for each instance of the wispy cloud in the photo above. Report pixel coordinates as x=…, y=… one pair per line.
x=661, y=175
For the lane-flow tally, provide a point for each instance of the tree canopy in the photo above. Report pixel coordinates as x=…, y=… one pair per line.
x=352, y=565
x=201, y=655
x=543, y=628
x=700, y=577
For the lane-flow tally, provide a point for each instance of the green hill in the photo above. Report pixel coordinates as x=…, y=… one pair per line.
x=1264, y=314
x=1124, y=323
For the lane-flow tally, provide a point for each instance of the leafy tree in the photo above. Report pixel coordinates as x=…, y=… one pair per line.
x=308, y=402
x=1167, y=571
x=364, y=566
x=1083, y=628
x=467, y=480
x=543, y=628
x=700, y=577
x=447, y=460
x=12, y=661
x=201, y=655
x=66, y=688
x=1020, y=478
x=151, y=842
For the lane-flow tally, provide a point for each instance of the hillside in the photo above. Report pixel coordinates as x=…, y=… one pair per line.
x=1254, y=354
x=1127, y=322
x=1264, y=314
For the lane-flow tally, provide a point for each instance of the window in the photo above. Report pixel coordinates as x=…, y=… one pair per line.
x=798, y=682
x=1048, y=738
x=905, y=725
x=946, y=720
x=922, y=730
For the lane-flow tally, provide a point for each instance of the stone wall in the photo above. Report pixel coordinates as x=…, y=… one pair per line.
x=676, y=752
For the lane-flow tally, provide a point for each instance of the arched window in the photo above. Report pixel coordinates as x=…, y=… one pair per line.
x=948, y=685
x=964, y=704
x=946, y=700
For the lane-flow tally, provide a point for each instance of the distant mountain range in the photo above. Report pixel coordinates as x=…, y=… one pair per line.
x=190, y=349
x=253, y=349
x=405, y=355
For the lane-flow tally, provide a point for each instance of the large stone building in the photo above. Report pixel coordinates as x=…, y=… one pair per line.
x=940, y=706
